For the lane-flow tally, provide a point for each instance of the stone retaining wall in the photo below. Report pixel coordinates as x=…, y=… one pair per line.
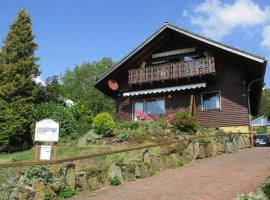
x=148, y=164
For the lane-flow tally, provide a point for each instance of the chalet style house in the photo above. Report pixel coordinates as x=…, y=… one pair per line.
x=175, y=68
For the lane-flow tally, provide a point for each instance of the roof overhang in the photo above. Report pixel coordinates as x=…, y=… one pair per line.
x=165, y=89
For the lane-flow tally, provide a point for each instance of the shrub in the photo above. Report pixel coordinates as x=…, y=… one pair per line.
x=266, y=189
x=261, y=130
x=127, y=134
x=66, y=192
x=128, y=125
x=57, y=112
x=184, y=122
x=41, y=172
x=252, y=196
x=103, y=124
x=117, y=158
x=114, y=180
x=83, y=116
x=162, y=122
x=92, y=138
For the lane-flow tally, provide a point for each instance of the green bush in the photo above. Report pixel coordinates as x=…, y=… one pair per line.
x=127, y=134
x=266, y=189
x=144, y=125
x=93, y=138
x=128, y=125
x=179, y=163
x=83, y=116
x=57, y=112
x=184, y=122
x=261, y=130
x=117, y=158
x=66, y=192
x=103, y=124
x=114, y=180
x=40, y=172
x=162, y=122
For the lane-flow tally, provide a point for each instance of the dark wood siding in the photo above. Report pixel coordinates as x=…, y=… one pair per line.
x=229, y=82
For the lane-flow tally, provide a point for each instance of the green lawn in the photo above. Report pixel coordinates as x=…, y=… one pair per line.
x=63, y=152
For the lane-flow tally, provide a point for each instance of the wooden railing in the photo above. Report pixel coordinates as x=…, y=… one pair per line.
x=178, y=70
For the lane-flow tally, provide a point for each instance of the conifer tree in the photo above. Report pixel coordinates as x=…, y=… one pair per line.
x=18, y=68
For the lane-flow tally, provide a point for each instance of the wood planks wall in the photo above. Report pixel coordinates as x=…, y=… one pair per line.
x=229, y=81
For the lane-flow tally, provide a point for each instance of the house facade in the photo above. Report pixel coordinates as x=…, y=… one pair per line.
x=261, y=121
x=174, y=66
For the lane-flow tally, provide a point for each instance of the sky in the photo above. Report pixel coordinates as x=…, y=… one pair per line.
x=71, y=32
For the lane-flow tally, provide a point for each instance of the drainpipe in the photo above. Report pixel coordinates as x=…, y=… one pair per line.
x=249, y=110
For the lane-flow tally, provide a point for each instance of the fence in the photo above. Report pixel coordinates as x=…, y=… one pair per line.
x=94, y=155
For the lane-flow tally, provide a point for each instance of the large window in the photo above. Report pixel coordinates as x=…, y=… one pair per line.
x=149, y=107
x=210, y=101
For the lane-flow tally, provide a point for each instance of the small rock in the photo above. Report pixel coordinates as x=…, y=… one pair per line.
x=196, y=149
x=116, y=171
x=147, y=159
x=202, y=153
x=81, y=182
x=39, y=187
x=141, y=170
x=169, y=162
x=189, y=150
x=56, y=186
x=157, y=163
x=70, y=175
x=25, y=193
x=94, y=183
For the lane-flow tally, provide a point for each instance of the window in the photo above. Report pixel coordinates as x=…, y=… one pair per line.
x=210, y=101
x=149, y=107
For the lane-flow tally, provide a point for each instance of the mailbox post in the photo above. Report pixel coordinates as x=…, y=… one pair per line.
x=46, y=136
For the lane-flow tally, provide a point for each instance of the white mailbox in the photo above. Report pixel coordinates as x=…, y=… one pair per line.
x=47, y=130
x=45, y=152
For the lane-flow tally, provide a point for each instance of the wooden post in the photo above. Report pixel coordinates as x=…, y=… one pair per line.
x=251, y=136
x=192, y=108
x=36, y=151
x=54, y=166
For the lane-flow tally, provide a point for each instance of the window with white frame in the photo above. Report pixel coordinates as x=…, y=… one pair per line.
x=149, y=107
x=210, y=101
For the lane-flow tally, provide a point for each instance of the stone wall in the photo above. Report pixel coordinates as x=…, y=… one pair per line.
x=148, y=164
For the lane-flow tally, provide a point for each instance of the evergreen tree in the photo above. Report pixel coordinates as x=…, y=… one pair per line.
x=18, y=68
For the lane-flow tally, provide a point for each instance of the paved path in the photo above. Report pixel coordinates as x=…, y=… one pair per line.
x=219, y=178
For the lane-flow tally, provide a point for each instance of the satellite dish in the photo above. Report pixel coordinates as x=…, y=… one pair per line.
x=113, y=85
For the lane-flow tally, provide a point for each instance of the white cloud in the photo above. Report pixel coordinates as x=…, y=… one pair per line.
x=266, y=37
x=217, y=19
x=39, y=80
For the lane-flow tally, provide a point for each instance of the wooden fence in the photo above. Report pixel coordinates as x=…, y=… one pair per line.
x=94, y=155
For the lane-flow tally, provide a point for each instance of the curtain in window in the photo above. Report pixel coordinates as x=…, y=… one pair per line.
x=138, y=105
x=211, y=101
x=155, y=106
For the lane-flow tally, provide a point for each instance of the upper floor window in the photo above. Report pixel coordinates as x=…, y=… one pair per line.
x=210, y=101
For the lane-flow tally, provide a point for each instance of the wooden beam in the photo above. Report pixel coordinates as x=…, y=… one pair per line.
x=192, y=107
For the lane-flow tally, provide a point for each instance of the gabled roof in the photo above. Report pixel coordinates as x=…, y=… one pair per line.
x=203, y=39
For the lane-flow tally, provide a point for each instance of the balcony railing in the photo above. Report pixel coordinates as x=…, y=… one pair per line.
x=178, y=70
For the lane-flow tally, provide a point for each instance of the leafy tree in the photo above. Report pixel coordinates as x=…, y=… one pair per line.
x=77, y=85
x=265, y=103
x=18, y=67
x=52, y=89
x=63, y=115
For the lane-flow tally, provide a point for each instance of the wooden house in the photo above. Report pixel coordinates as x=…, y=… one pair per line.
x=173, y=66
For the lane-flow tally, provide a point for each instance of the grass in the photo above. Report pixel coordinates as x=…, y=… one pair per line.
x=63, y=152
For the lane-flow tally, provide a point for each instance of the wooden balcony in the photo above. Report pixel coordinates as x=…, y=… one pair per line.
x=170, y=71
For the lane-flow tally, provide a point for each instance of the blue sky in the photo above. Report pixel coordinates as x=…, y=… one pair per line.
x=71, y=32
